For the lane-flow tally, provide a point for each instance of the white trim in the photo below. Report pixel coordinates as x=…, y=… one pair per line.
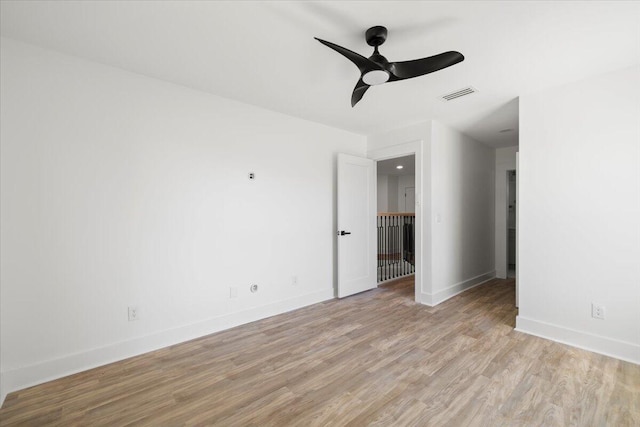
x=622, y=350
x=517, y=231
x=453, y=290
x=28, y=376
x=393, y=151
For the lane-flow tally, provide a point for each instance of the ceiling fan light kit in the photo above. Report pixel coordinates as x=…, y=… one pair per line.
x=375, y=77
x=377, y=70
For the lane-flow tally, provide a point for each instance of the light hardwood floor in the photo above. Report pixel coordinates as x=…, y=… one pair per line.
x=376, y=358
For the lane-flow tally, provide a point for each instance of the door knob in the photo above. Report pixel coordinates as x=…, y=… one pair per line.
x=342, y=233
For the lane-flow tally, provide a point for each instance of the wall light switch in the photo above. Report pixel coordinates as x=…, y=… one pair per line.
x=134, y=314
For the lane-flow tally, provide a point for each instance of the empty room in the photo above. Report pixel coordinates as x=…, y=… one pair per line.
x=274, y=213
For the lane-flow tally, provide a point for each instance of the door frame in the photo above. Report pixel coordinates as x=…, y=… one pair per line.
x=505, y=259
x=504, y=263
x=517, y=228
x=507, y=228
x=401, y=150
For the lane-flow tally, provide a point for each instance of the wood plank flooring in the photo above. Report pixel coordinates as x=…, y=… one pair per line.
x=376, y=358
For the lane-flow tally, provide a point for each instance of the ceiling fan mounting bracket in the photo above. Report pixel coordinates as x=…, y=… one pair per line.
x=375, y=36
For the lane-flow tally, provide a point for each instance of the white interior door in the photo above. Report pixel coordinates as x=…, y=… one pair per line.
x=356, y=225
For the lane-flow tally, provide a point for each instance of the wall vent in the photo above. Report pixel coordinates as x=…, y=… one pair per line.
x=458, y=93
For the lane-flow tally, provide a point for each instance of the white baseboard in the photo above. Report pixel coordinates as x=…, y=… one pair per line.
x=453, y=290
x=598, y=344
x=28, y=376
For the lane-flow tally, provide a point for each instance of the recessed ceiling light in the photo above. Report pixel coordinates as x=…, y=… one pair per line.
x=506, y=130
x=399, y=167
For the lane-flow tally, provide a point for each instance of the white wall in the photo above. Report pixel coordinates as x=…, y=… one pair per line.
x=463, y=188
x=505, y=161
x=383, y=193
x=579, y=218
x=120, y=190
x=392, y=194
x=405, y=181
x=456, y=183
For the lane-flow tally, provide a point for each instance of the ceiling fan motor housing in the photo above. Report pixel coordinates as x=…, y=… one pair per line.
x=375, y=36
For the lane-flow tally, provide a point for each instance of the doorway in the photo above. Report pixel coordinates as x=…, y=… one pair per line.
x=396, y=225
x=422, y=229
x=511, y=223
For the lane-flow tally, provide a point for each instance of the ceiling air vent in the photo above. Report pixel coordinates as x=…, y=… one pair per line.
x=458, y=93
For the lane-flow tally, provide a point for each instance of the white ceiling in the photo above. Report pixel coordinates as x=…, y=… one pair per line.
x=389, y=166
x=263, y=53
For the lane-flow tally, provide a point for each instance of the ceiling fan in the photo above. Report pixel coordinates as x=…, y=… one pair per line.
x=376, y=70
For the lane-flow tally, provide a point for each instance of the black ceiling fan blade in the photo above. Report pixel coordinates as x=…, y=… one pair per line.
x=358, y=92
x=418, y=67
x=363, y=64
x=377, y=70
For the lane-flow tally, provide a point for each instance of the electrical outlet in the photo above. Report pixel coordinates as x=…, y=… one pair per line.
x=294, y=280
x=233, y=292
x=597, y=311
x=134, y=314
